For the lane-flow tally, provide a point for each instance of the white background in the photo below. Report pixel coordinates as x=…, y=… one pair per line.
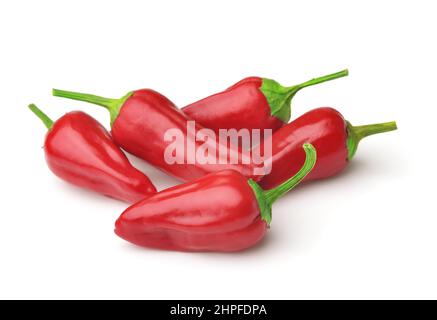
x=371, y=232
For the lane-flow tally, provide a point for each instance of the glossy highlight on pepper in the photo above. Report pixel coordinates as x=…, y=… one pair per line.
x=222, y=211
x=80, y=151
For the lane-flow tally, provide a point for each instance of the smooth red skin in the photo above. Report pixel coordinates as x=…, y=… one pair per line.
x=242, y=105
x=325, y=128
x=218, y=212
x=140, y=128
x=80, y=150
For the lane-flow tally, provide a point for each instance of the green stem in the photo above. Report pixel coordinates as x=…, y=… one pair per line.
x=318, y=80
x=101, y=101
x=279, y=97
x=311, y=158
x=44, y=118
x=356, y=133
x=112, y=105
x=265, y=199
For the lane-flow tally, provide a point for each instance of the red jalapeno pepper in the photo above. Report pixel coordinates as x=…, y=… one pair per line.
x=140, y=121
x=252, y=103
x=80, y=150
x=335, y=139
x=222, y=211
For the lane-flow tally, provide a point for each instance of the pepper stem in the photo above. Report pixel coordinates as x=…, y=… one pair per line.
x=318, y=80
x=310, y=160
x=265, y=199
x=112, y=105
x=279, y=97
x=356, y=133
x=44, y=118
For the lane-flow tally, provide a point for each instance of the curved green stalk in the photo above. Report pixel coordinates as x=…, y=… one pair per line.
x=279, y=97
x=267, y=198
x=329, y=77
x=112, y=105
x=44, y=118
x=356, y=133
x=310, y=160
